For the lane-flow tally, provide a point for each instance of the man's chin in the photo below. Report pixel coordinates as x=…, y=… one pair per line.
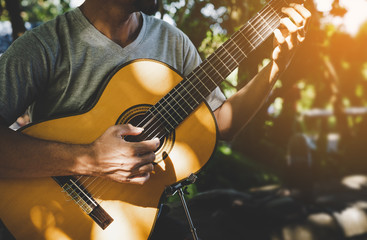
x=149, y=7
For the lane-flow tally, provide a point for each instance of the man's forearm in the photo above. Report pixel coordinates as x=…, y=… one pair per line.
x=109, y=156
x=24, y=156
x=240, y=108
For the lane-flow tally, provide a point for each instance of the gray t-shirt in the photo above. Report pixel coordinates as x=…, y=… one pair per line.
x=58, y=67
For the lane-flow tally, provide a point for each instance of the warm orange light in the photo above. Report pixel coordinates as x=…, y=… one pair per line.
x=355, y=16
x=352, y=20
x=156, y=79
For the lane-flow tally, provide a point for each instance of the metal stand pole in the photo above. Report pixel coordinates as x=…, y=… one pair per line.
x=171, y=190
x=191, y=224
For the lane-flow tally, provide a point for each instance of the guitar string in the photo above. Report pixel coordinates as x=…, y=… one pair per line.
x=234, y=38
x=206, y=74
x=175, y=102
x=101, y=188
x=209, y=71
x=209, y=76
x=93, y=183
x=229, y=50
x=219, y=55
x=204, y=66
x=222, y=51
x=257, y=35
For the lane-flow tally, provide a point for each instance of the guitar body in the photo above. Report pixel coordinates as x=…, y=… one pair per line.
x=39, y=209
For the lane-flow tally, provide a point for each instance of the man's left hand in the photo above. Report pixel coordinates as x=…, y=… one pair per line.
x=290, y=34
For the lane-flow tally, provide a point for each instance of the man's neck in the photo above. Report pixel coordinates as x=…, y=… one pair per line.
x=119, y=23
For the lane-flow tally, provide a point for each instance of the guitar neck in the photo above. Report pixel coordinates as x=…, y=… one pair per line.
x=183, y=99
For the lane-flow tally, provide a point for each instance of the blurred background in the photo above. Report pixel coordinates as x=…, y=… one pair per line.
x=298, y=170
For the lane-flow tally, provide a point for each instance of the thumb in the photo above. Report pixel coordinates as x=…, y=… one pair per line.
x=128, y=129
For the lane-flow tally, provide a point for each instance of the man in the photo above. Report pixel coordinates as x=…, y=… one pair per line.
x=36, y=65
x=58, y=67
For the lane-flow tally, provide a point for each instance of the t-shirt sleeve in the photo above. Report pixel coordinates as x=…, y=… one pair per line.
x=23, y=72
x=191, y=61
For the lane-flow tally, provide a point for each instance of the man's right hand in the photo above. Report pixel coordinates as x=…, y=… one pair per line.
x=114, y=158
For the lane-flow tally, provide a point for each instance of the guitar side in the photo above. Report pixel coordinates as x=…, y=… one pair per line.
x=38, y=209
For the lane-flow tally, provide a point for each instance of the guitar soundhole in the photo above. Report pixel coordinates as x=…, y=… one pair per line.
x=136, y=121
x=137, y=116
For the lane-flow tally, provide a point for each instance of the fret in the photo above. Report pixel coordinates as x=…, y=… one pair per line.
x=203, y=97
x=199, y=79
x=231, y=54
x=174, y=109
x=214, y=83
x=215, y=55
x=243, y=35
x=239, y=48
x=178, y=106
x=189, y=90
x=165, y=119
x=194, y=88
x=274, y=11
x=190, y=93
x=249, y=23
x=178, y=92
x=266, y=23
x=215, y=70
x=174, y=99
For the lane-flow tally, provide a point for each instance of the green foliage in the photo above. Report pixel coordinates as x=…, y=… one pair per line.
x=231, y=169
x=43, y=10
x=4, y=14
x=329, y=72
x=211, y=42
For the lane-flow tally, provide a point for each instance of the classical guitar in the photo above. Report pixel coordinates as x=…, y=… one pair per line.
x=169, y=107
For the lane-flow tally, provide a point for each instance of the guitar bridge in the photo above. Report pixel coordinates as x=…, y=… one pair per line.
x=83, y=204
x=84, y=200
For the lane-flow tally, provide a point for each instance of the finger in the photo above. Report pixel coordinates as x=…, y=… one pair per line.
x=301, y=34
x=306, y=15
x=140, y=148
x=294, y=15
x=139, y=179
x=291, y=37
x=122, y=176
x=146, y=168
x=280, y=43
x=276, y=53
x=127, y=129
x=287, y=26
x=279, y=38
x=143, y=159
x=137, y=170
x=135, y=162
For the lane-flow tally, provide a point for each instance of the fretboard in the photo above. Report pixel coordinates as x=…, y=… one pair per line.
x=185, y=97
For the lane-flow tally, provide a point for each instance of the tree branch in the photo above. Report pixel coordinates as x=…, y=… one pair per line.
x=17, y=23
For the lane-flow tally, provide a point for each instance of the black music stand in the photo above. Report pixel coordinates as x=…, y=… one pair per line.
x=178, y=188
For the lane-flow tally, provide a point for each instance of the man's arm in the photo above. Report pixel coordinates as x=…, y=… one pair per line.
x=239, y=109
x=109, y=156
